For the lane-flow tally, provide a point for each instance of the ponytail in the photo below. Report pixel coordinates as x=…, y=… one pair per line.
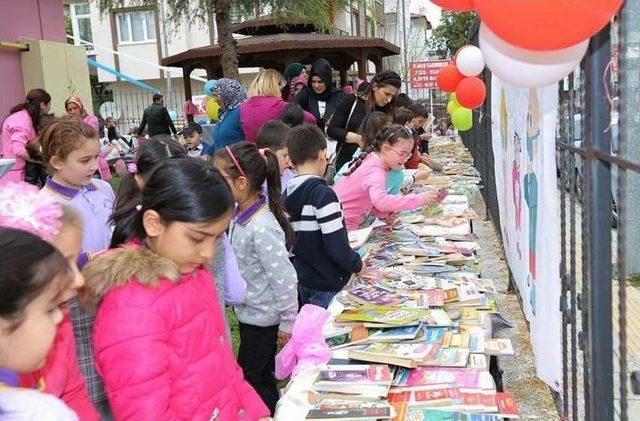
x=34, y=98
x=274, y=193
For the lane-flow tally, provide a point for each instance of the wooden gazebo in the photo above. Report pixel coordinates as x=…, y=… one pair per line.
x=271, y=49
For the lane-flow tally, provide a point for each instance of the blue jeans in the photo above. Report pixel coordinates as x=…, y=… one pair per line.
x=318, y=298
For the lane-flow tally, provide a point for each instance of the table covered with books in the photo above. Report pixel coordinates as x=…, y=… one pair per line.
x=412, y=339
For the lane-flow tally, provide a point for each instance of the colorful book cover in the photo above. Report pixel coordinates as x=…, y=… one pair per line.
x=437, y=318
x=507, y=405
x=330, y=409
x=365, y=373
x=478, y=362
x=499, y=346
x=374, y=295
x=395, y=333
x=426, y=376
x=434, y=334
x=414, y=352
x=376, y=314
x=453, y=357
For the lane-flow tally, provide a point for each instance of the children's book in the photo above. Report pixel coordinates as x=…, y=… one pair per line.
x=419, y=248
x=395, y=334
x=381, y=315
x=507, y=405
x=358, y=238
x=400, y=354
x=356, y=381
x=356, y=335
x=498, y=346
x=437, y=317
x=343, y=410
x=478, y=362
x=425, y=396
x=428, y=376
x=435, y=335
x=374, y=295
x=453, y=357
x=408, y=412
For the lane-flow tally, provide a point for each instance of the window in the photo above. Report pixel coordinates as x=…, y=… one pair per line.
x=81, y=23
x=139, y=26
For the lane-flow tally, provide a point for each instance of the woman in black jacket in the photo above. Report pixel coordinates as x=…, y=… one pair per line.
x=319, y=97
x=348, y=116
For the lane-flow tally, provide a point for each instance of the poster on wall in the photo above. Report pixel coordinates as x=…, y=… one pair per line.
x=523, y=133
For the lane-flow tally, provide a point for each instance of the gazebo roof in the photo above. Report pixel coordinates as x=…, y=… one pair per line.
x=275, y=50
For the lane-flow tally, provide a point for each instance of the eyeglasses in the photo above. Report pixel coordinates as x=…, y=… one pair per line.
x=402, y=154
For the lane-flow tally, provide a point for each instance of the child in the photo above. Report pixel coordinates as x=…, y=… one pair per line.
x=34, y=277
x=70, y=148
x=260, y=235
x=420, y=116
x=292, y=115
x=192, y=135
x=362, y=189
x=159, y=333
x=23, y=208
x=322, y=256
x=271, y=136
x=230, y=285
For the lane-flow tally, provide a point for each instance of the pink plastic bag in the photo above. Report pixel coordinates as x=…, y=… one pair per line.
x=307, y=346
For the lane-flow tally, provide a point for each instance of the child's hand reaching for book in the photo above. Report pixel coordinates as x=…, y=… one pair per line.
x=421, y=175
x=283, y=337
x=430, y=197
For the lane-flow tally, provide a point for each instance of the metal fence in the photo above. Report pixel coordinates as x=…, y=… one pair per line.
x=598, y=165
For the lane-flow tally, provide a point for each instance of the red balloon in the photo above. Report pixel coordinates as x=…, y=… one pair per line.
x=544, y=25
x=448, y=78
x=471, y=92
x=455, y=5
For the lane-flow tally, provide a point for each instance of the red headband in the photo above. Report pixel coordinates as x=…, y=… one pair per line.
x=235, y=162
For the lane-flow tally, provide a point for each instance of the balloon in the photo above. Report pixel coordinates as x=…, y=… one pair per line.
x=208, y=87
x=528, y=68
x=173, y=115
x=471, y=92
x=546, y=25
x=469, y=60
x=462, y=119
x=212, y=108
x=452, y=106
x=448, y=78
x=455, y=5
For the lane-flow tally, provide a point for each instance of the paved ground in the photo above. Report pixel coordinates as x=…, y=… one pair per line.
x=533, y=397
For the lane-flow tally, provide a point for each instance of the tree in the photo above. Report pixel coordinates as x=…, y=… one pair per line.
x=320, y=13
x=452, y=33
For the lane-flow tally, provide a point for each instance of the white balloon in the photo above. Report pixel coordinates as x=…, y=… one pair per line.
x=469, y=60
x=527, y=68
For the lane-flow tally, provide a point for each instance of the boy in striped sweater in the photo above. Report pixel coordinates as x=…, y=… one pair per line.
x=322, y=256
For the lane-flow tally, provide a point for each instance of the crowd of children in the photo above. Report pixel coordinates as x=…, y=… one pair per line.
x=141, y=332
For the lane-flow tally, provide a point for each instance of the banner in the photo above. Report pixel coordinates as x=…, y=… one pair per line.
x=524, y=135
x=422, y=74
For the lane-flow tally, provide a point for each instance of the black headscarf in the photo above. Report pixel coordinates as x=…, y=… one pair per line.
x=321, y=68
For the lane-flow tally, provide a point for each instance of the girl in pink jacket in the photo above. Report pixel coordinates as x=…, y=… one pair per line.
x=20, y=128
x=362, y=189
x=159, y=335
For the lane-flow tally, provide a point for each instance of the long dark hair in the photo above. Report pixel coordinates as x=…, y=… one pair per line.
x=384, y=78
x=148, y=156
x=180, y=190
x=35, y=97
x=371, y=126
x=258, y=169
x=390, y=134
x=28, y=266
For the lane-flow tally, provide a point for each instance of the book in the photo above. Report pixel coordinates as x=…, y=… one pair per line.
x=408, y=412
x=498, y=346
x=453, y=357
x=374, y=295
x=341, y=410
x=361, y=381
x=357, y=238
x=419, y=249
x=507, y=405
x=427, y=376
x=381, y=315
x=478, y=362
x=356, y=335
x=400, y=354
x=425, y=396
x=437, y=317
x=395, y=334
x=435, y=334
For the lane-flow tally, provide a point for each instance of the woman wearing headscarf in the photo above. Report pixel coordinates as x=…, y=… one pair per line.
x=352, y=109
x=20, y=128
x=75, y=108
x=292, y=70
x=229, y=94
x=320, y=98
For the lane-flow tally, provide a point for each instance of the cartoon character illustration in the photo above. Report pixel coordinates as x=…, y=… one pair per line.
x=516, y=188
x=531, y=187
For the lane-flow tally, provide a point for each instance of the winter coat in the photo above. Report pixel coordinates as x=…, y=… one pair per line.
x=17, y=131
x=61, y=375
x=160, y=341
x=159, y=121
x=321, y=106
x=363, y=192
x=260, y=109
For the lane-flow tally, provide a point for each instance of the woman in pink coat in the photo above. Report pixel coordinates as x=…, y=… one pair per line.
x=75, y=108
x=21, y=127
x=160, y=339
x=265, y=103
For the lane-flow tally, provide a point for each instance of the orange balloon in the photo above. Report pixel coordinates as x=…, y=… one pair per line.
x=544, y=25
x=448, y=78
x=455, y=5
x=471, y=92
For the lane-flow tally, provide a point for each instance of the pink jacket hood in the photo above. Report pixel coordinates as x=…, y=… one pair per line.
x=160, y=341
x=260, y=109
